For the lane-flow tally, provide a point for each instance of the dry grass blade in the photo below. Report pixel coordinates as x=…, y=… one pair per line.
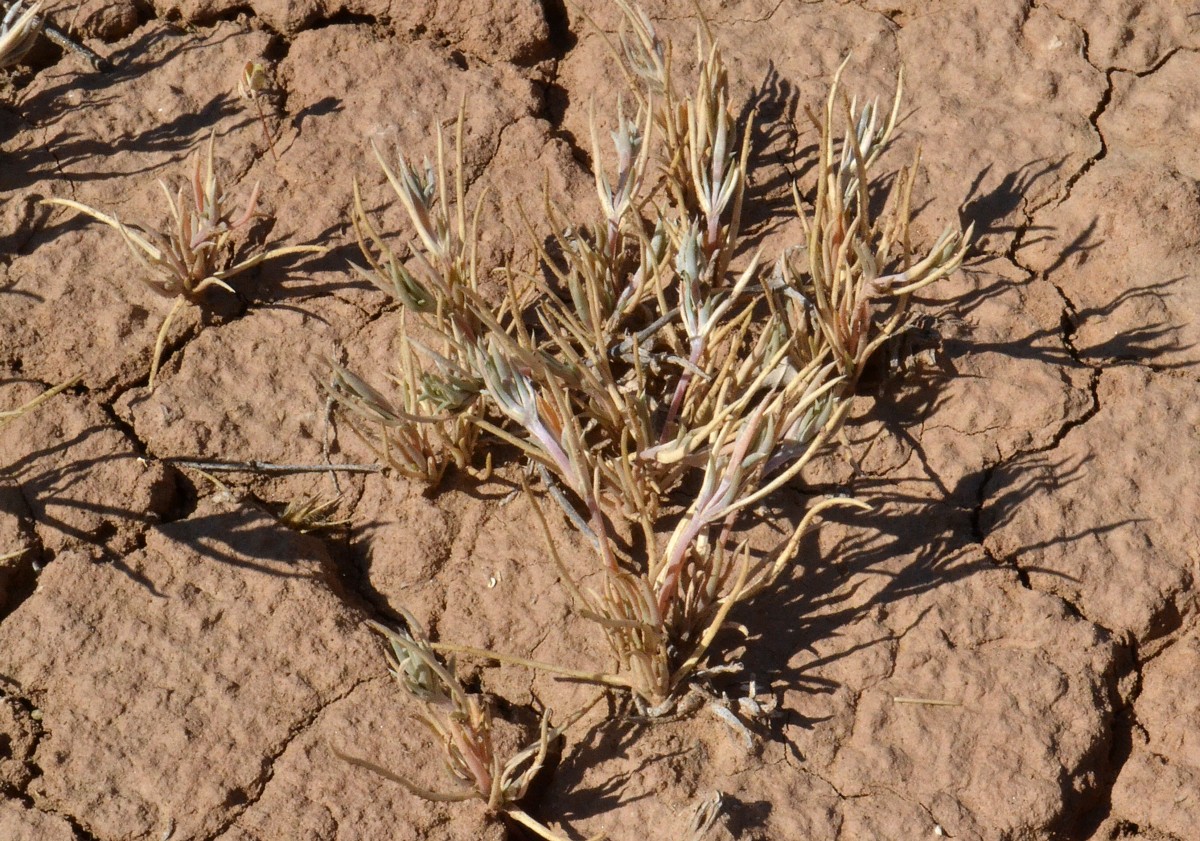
x=312, y=513
x=197, y=252
x=409, y=438
x=707, y=815
x=10, y=415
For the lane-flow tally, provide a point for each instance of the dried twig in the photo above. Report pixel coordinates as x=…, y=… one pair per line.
x=269, y=467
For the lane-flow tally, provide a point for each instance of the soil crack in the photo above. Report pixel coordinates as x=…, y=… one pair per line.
x=22, y=794
x=1122, y=725
x=24, y=582
x=1069, y=324
x=1102, y=106
x=257, y=787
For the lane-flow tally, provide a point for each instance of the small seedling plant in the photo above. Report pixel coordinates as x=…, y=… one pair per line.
x=461, y=723
x=196, y=252
x=255, y=86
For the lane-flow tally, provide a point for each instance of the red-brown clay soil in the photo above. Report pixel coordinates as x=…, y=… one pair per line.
x=176, y=664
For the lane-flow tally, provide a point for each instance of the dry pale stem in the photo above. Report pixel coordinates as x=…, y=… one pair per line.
x=19, y=29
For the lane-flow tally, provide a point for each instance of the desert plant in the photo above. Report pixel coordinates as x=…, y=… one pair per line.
x=461, y=723
x=646, y=357
x=254, y=85
x=311, y=512
x=434, y=422
x=849, y=252
x=659, y=379
x=19, y=29
x=197, y=251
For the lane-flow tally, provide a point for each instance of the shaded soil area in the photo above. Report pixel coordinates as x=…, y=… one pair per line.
x=1004, y=647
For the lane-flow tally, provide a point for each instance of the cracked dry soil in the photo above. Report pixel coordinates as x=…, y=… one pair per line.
x=176, y=664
